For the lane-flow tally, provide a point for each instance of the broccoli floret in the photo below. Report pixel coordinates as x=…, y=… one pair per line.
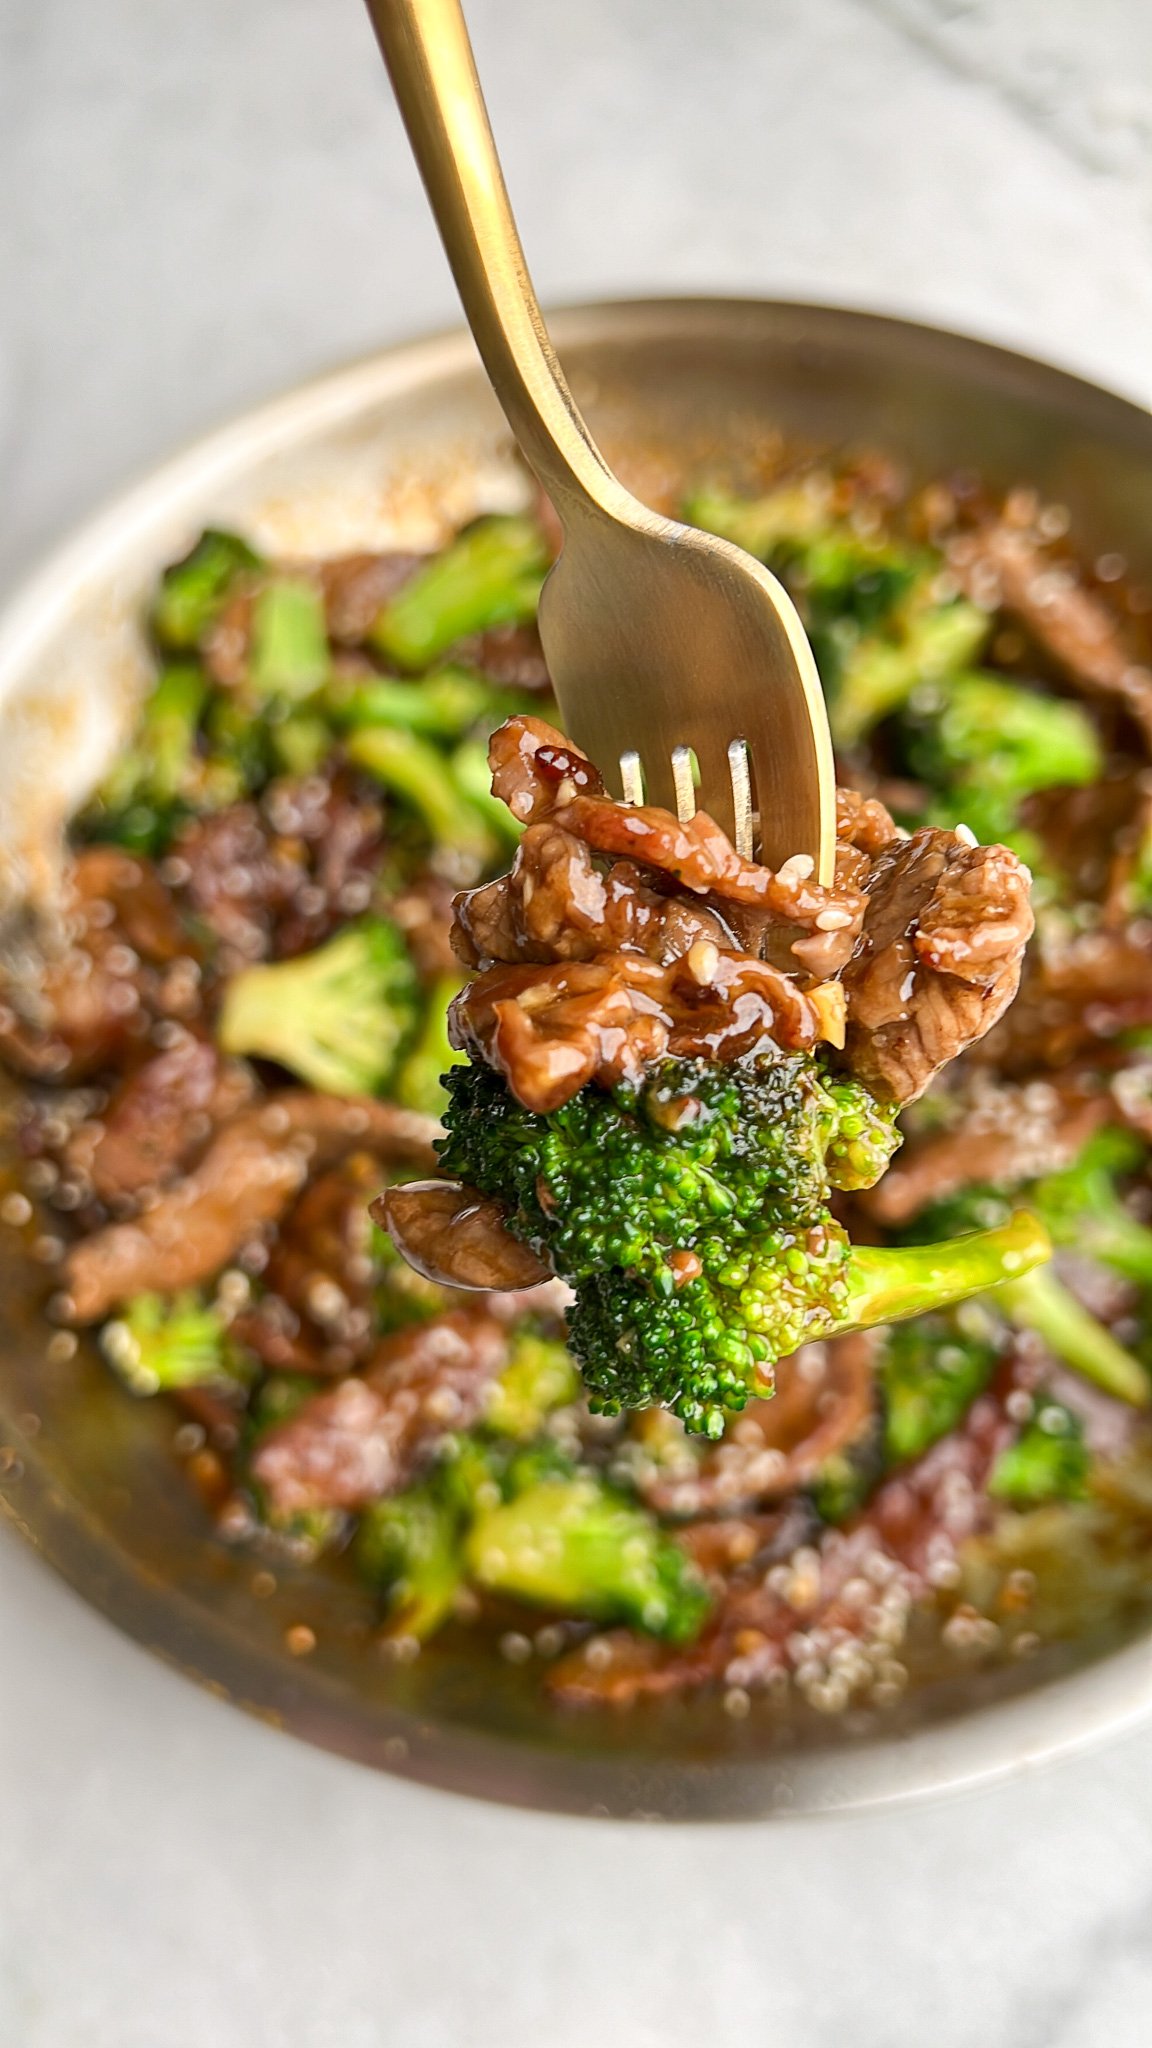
x=161, y=1342
x=931, y=1370
x=573, y=1545
x=1048, y=1461
x=339, y=1017
x=193, y=591
x=408, y=1548
x=420, y=1077
x=288, y=657
x=410, y=768
x=540, y=1375
x=691, y=1217
x=160, y=775
x=490, y=575
x=984, y=744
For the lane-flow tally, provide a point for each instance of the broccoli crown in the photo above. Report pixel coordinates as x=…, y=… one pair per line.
x=337, y=1017
x=1049, y=1460
x=930, y=1372
x=690, y=1213
x=160, y=1343
x=573, y=1544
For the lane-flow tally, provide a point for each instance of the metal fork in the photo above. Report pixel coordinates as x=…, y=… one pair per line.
x=679, y=663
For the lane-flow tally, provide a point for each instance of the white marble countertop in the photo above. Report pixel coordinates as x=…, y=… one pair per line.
x=202, y=205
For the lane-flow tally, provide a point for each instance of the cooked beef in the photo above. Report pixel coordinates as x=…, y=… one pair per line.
x=242, y=1185
x=423, y=912
x=119, y=958
x=1003, y=565
x=1004, y=1134
x=940, y=958
x=369, y=1435
x=159, y=1119
x=1079, y=992
x=279, y=876
x=457, y=1237
x=551, y=1030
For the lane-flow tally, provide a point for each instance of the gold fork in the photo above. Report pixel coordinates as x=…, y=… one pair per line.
x=679, y=663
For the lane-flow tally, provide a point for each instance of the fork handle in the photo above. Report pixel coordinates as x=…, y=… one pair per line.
x=429, y=58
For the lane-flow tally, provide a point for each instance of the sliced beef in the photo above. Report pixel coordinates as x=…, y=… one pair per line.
x=369, y=1435
x=939, y=961
x=244, y=1183
x=119, y=957
x=1003, y=565
x=159, y=1119
x=457, y=1237
x=1005, y=1135
x=550, y=1030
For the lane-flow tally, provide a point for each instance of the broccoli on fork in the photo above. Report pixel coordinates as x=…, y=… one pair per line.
x=691, y=1215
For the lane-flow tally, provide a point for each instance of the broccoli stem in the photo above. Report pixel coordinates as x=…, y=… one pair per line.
x=408, y=1548
x=442, y=706
x=490, y=575
x=418, y=774
x=1040, y=1302
x=289, y=651
x=887, y=1283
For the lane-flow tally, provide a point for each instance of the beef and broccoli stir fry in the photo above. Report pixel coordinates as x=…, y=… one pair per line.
x=631, y=1109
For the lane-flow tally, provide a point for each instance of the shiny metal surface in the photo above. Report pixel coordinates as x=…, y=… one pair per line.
x=402, y=447
x=659, y=639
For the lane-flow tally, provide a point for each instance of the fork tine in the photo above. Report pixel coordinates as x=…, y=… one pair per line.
x=631, y=779
x=738, y=769
x=683, y=783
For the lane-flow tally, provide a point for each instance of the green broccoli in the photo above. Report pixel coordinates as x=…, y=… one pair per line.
x=1082, y=1207
x=540, y=1375
x=930, y=1371
x=288, y=656
x=1048, y=1461
x=408, y=1548
x=339, y=1018
x=161, y=1342
x=445, y=705
x=193, y=591
x=984, y=744
x=160, y=776
x=490, y=575
x=419, y=1080
x=573, y=1545
x=472, y=776
x=691, y=1216
x=409, y=768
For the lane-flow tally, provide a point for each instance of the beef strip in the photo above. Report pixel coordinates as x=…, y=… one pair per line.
x=556, y=904
x=277, y=877
x=457, y=1237
x=1005, y=1134
x=118, y=957
x=940, y=958
x=1079, y=992
x=831, y=1616
x=1002, y=564
x=551, y=1030
x=158, y=1119
x=254, y=1166
x=316, y=1312
x=369, y=1435
x=423, y=911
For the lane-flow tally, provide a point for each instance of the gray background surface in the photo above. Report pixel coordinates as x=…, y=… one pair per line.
x=201, y=205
